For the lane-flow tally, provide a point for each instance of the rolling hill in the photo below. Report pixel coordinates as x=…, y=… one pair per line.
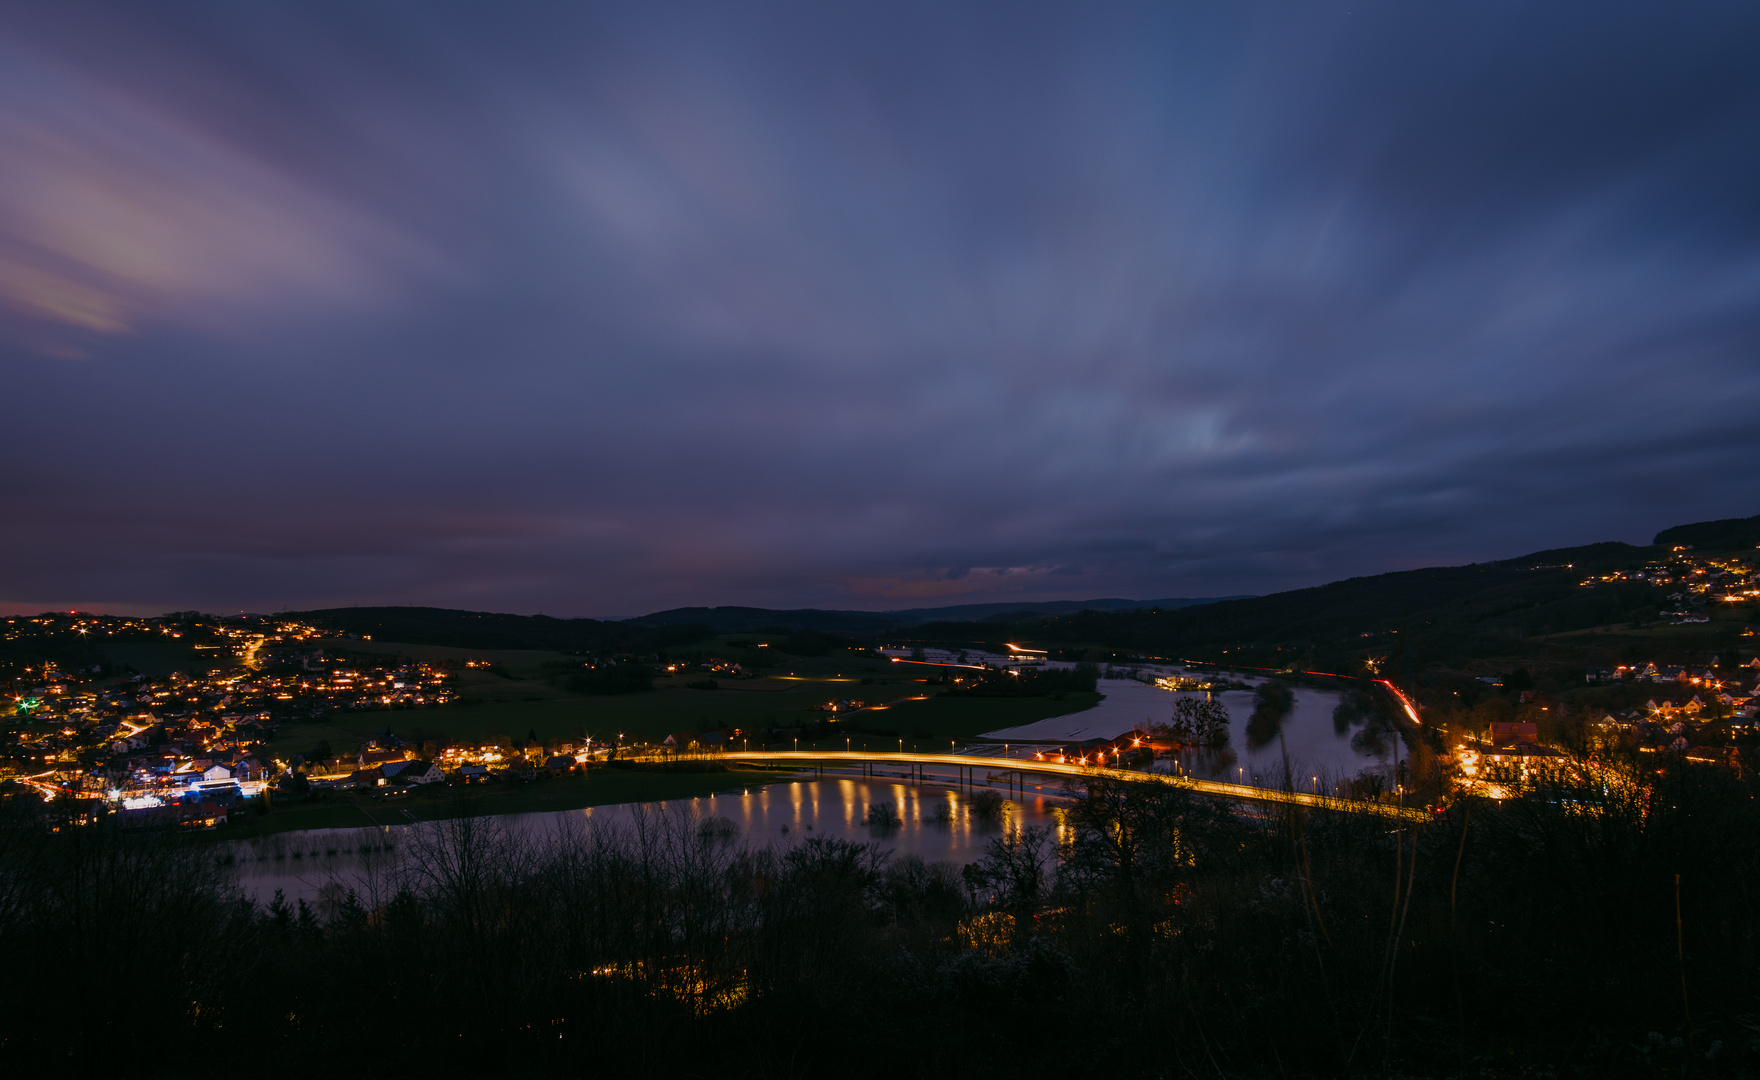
x=1533, y=606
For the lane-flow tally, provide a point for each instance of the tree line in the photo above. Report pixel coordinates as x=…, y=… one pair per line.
x=1606, y=928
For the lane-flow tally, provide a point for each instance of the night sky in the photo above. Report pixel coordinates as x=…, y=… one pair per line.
x=595, y=309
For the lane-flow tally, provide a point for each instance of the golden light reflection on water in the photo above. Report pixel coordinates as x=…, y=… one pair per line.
x=935, y=821
x=774, y=816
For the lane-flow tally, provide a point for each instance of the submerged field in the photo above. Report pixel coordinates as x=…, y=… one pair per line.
x=599, y=787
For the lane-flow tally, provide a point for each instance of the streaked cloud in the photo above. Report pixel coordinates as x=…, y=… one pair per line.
x=118, y=214
x=612, y=308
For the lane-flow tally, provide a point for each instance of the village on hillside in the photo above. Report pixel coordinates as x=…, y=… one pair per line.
x=196, y=747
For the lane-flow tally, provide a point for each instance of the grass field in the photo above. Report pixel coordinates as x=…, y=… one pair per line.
x=158, y=659
x=517, y=709
x=938, y=719
x=526, y=694
x=1723, y=625
x=601, y=787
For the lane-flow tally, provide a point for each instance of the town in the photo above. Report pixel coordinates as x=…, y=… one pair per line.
x=198, y=748
x=188, y=747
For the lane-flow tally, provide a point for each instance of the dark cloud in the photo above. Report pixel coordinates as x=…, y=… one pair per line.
x=600, y=309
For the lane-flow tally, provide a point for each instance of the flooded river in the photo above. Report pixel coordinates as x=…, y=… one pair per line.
x=935, y=822
x=1318, y=754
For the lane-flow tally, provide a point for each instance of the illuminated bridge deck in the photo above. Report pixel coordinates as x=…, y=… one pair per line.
x=1241, y=792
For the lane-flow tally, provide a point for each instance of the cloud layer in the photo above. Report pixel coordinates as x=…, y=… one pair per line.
x=604, y=310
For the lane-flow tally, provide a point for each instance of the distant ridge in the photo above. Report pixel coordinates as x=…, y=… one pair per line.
x=963, y=612
x=751, y=619
x=664, y=629
x=1452, y=614
x=1725, y=535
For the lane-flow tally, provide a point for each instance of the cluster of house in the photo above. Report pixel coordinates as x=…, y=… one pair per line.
x=476, y=762
x=206, y=792
x=107, y=741
x=1183, y=682
x=198, y=791
x=78, y=625
x=379, y=767
x=1728, y=693
x=1702, y=582
x=388, y=763
x=1677, y=673
x=353, y=686
x=1137, y=746
x=184, y=745
x=1510, y=756
x=141, y=732
x=1675, y=728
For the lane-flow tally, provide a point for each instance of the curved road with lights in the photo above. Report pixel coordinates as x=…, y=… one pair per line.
x=1242, y=792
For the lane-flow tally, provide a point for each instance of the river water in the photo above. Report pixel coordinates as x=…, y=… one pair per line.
x=936, y=820
x=1318, y=754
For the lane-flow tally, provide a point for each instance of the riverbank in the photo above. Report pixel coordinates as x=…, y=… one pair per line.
x=599, y=787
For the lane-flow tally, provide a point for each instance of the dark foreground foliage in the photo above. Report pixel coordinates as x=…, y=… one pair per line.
x=1153, y=935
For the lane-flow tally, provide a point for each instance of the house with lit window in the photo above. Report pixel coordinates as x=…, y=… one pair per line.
x=412, y=772
x=1511, y=759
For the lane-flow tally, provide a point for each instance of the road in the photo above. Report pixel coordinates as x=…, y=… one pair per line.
x=1242, y=792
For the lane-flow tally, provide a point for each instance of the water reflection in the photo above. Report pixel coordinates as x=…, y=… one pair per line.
x=936, y=823
x=1318, y=754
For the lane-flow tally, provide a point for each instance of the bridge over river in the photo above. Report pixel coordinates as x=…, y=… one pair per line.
x=966, y=767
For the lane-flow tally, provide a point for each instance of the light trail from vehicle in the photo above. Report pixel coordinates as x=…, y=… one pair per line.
x=1243, y=792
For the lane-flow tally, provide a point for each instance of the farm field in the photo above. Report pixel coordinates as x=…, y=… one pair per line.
x=160, y=658
x=524, y=693
x=933, y=721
